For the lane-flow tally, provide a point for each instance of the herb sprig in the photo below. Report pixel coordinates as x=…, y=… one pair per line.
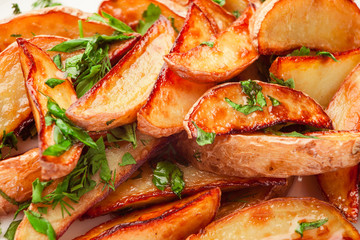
x=304, y=51
x=310, y=225
x=150, y=15
x=10, y=141
x=45, y=4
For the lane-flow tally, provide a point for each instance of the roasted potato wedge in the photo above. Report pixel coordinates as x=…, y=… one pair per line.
x=282, y=25
x=130, y=11
x=59, y=21
x=17, y=174
x=38, y=67
x=116, y=99
x=319, y=77
x=118, y=49
x=140, y=191
x=219, y=18
x=172, y=96
x=230, y=52
x=175, y=220
x=263, y=155
x=280, y=219
x=294, y=107
x=343, y=109
x=114, y=156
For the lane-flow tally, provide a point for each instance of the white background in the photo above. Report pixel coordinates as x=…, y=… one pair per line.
x=306, y=186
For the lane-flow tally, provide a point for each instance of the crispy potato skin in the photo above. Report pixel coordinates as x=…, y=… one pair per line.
x=278, y=219
x=124, y=90
x=130, y=11
x=262, y=155
x=118, y=49
x=17, y=174
x=114, y=156
x=59, y=21
x=38, y=68
x=319, y=77
x=280, y=25
x=172, y=96
x=231, y=53
x=140, y=191
x=295, y=107
x=175, y=220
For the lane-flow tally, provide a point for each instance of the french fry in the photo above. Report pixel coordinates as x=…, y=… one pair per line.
x=281, y=25
x=140, y=191
x=280, y=219
x=319, y=77
x=114, y=156
x=263, y=155
x=17, y=174
x=172, y=96
x=230, y=52
x=34, y=61
x=116, y=99
x=294, y=107
x=59, y=21
x=175, y=220
x=130, y=11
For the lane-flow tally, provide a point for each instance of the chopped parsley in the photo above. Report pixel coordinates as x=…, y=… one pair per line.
x=40, y=224
x=57, y=61
x=289, y=134
x=327, y=54
x=15, y=35
x=304, y=51
x=310, y=225
x=115, y=23
x=204, y=138
x=288, y=83
x=220, y=2
x=123, y=133
x=10, y=232
x=45, y=3
x=53, y=82
x=16, y=9
x=208, y=43
x=172, y=20
x=150, y=15
x=127, y=159
x=236, y=13
x=10, y=141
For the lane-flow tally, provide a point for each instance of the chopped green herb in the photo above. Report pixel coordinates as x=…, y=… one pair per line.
x=303, y=51
x=15, y=35
x=123, y=133
x=110, y=122
x=57, y=61
x=115, y=23
x=209, y=44
x=53, y=82
x=42, y=210
x=33, y=34
x=37, y=189
x=10, y=232
x=172, y=20
x=310, y=225
x=16, y=9
x=127, y=159
x=81, y=30
x=245, y=109
x=204, y=138
x=274, y=101
x=288, y=83
x=327, y=54
x=150, y=15
x=40, y=224
x=220, y=2
x=290, y=134
x=197, y=156
x=236, y=13
x=8, y=198
x=10, y=141
x=167, y=173
x=44, y=4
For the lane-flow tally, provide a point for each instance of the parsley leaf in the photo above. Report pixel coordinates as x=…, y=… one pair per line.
x=245, y=109
x=40, y=224
x=236, y=13
x=209, y=44
x=115, y=23
x=8, y=140
x=123, y=133
x=172, y=20
x=290, y=134
x=220, y=2
x=310, y=225
x=16, y=9
x=15, y=35
x=10, y=232
x=274, y=101
x=167, y=173
x=288, y=83
x=326, y=54
x=303, y=51
x=127, y=159
x=81, y=30
x=44, y=4
x=53, y=82
x=150, y=15
x=57, y=61
x=8, y=198
x=204, y=138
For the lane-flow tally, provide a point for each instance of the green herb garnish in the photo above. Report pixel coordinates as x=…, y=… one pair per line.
x=303, y=51
x=53, y=82
x=327, y=54
x=16, y=9
x=236, y=13
x=150, y=15
x=207, y=43
x=290, y=134
x=40, y=224
x=274, y=101
x=204, y=138
x=10, y=141
x=15, y=35
x=288, y=83
x=220, y=2
x=172, y=20
x=10, y=232
x=115, y=23
x=123, y=133
x=310, y=225
x=127, y=159
x=45, y=3
x=57, y=61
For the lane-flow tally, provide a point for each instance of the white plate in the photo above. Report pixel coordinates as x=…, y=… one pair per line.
x=302, y=187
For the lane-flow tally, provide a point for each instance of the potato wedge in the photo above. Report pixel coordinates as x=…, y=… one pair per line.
x=118, y=49
x=282, y=25
x=239, y=6
x=263, y=155
x=219, y=18
x=294, y=107
x=279, y=219
x=175, y=220
x=60, y=21
x=38, y=68
x=343, y=109
x=140, y=191
x=114, y=156
x=130, y=11
x=116, y=99
x=17, y=174
x=230, y=54
x=172, y=96
x=319, y=77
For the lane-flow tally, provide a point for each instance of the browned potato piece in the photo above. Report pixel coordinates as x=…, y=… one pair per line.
x=174, y=221
x=294, y=107
x=59, y=21
x=282, y=25
x=116, y=99
x=114, y=156
x=118, y=49
x=38, y=67
x=17, y=174
x=140, y=191
x=279, y=219
x=319, y=77
x=219, y=18
x=172, y=96
x=344, y=109
x=263, y=155
x=130, y=11
x=230, y=54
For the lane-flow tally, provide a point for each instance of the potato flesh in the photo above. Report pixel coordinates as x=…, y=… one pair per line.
x=319, y=77
x=281, y=25
x=278, y=219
